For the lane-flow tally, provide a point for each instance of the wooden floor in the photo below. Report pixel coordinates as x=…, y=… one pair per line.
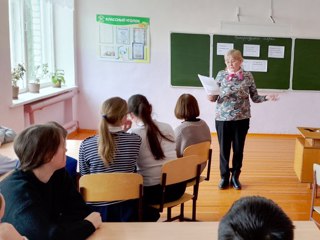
x=267, y=171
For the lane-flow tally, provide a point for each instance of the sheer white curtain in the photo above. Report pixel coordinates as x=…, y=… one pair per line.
x=31, y=37
x=64, y=3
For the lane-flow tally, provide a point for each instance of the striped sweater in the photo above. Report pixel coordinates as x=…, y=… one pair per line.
x=127, y=152
x=125, y=158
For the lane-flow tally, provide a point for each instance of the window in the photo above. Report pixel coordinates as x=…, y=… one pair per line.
x=31, y=37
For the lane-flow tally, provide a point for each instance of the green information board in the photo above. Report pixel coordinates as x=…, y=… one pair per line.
x=190, y=56
x=306, y=63
x=278, y=70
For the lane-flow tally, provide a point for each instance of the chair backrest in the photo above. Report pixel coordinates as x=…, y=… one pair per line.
x=204, y=151
x=110, y=186
x=181, y=169
x=316, y=170
x=200, y=149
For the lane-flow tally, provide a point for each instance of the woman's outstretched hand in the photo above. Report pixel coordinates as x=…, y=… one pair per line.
x=272, y=97
x=212, y=98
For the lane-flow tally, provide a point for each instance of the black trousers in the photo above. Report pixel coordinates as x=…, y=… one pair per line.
x=231, y=133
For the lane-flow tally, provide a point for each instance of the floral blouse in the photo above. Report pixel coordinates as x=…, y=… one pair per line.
x=233, y=102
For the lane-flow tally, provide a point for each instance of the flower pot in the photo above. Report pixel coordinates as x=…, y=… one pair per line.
x=15, y=92
x=57, y=84
x=34, y=87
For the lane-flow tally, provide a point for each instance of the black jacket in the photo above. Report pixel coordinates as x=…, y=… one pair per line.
x=52, y=210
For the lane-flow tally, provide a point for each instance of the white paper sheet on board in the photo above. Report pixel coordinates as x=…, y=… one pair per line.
x=210, y=85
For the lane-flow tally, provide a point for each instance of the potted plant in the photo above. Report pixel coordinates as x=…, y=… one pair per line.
x=40, y=72
x=57, y=78
x=17, y=74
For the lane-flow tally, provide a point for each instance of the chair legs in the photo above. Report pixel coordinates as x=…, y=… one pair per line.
x=169, y=214
x=194, y=210
x=182, y=212
x=181, y=216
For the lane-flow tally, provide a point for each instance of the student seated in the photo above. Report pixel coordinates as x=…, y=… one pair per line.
x=42, y=201
x=112, y=150
x=71, y=163
x=7, y=231
x=192, y=130
x=157, y=148
x=253, y=218
x=7, y=164
x=6, y=135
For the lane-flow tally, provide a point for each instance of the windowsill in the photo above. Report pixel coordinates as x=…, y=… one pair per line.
x=47, y=92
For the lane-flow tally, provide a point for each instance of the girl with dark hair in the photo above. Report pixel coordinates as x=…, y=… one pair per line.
x=157, y=147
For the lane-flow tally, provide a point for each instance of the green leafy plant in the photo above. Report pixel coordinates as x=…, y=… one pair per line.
x=41, y=72
x=58, y=77
x=17, y=74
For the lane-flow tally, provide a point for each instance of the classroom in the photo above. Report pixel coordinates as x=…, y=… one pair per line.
x=90, y=78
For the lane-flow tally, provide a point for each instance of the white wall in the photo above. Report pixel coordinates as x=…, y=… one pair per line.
x=10, y=117
x=100, y=79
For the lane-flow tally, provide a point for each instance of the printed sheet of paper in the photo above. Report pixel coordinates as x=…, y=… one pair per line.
x=210, y=85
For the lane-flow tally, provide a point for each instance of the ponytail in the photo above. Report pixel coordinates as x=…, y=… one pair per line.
x=112, y=110
x=139, y=106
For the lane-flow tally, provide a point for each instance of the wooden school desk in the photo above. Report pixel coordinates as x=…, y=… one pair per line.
x=183, y=230
x=7, y=150
x=307, y=152
x=311, y=136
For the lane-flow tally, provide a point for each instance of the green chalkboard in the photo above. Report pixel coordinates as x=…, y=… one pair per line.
x=306, y=65
x=190, y=56
x=278, y=70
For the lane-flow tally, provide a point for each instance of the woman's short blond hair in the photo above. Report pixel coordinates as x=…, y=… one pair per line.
x=234, y=53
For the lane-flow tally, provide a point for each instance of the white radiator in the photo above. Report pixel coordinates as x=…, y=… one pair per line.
x=31, y=108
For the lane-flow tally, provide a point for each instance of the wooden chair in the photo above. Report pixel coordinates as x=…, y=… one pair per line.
x=204, y=151
x=315, y=199
x=112, y=187
x=176, y=171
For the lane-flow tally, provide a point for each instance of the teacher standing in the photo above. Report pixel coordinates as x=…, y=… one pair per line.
x=233, y=115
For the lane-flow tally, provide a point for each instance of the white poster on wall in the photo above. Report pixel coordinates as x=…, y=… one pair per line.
x=276, y=51
x=255, y=65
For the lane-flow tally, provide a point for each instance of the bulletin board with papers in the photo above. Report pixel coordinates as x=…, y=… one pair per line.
x=267, y=58
x=123, y=38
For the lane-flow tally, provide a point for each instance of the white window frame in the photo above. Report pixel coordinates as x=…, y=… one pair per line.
x=21, y=39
